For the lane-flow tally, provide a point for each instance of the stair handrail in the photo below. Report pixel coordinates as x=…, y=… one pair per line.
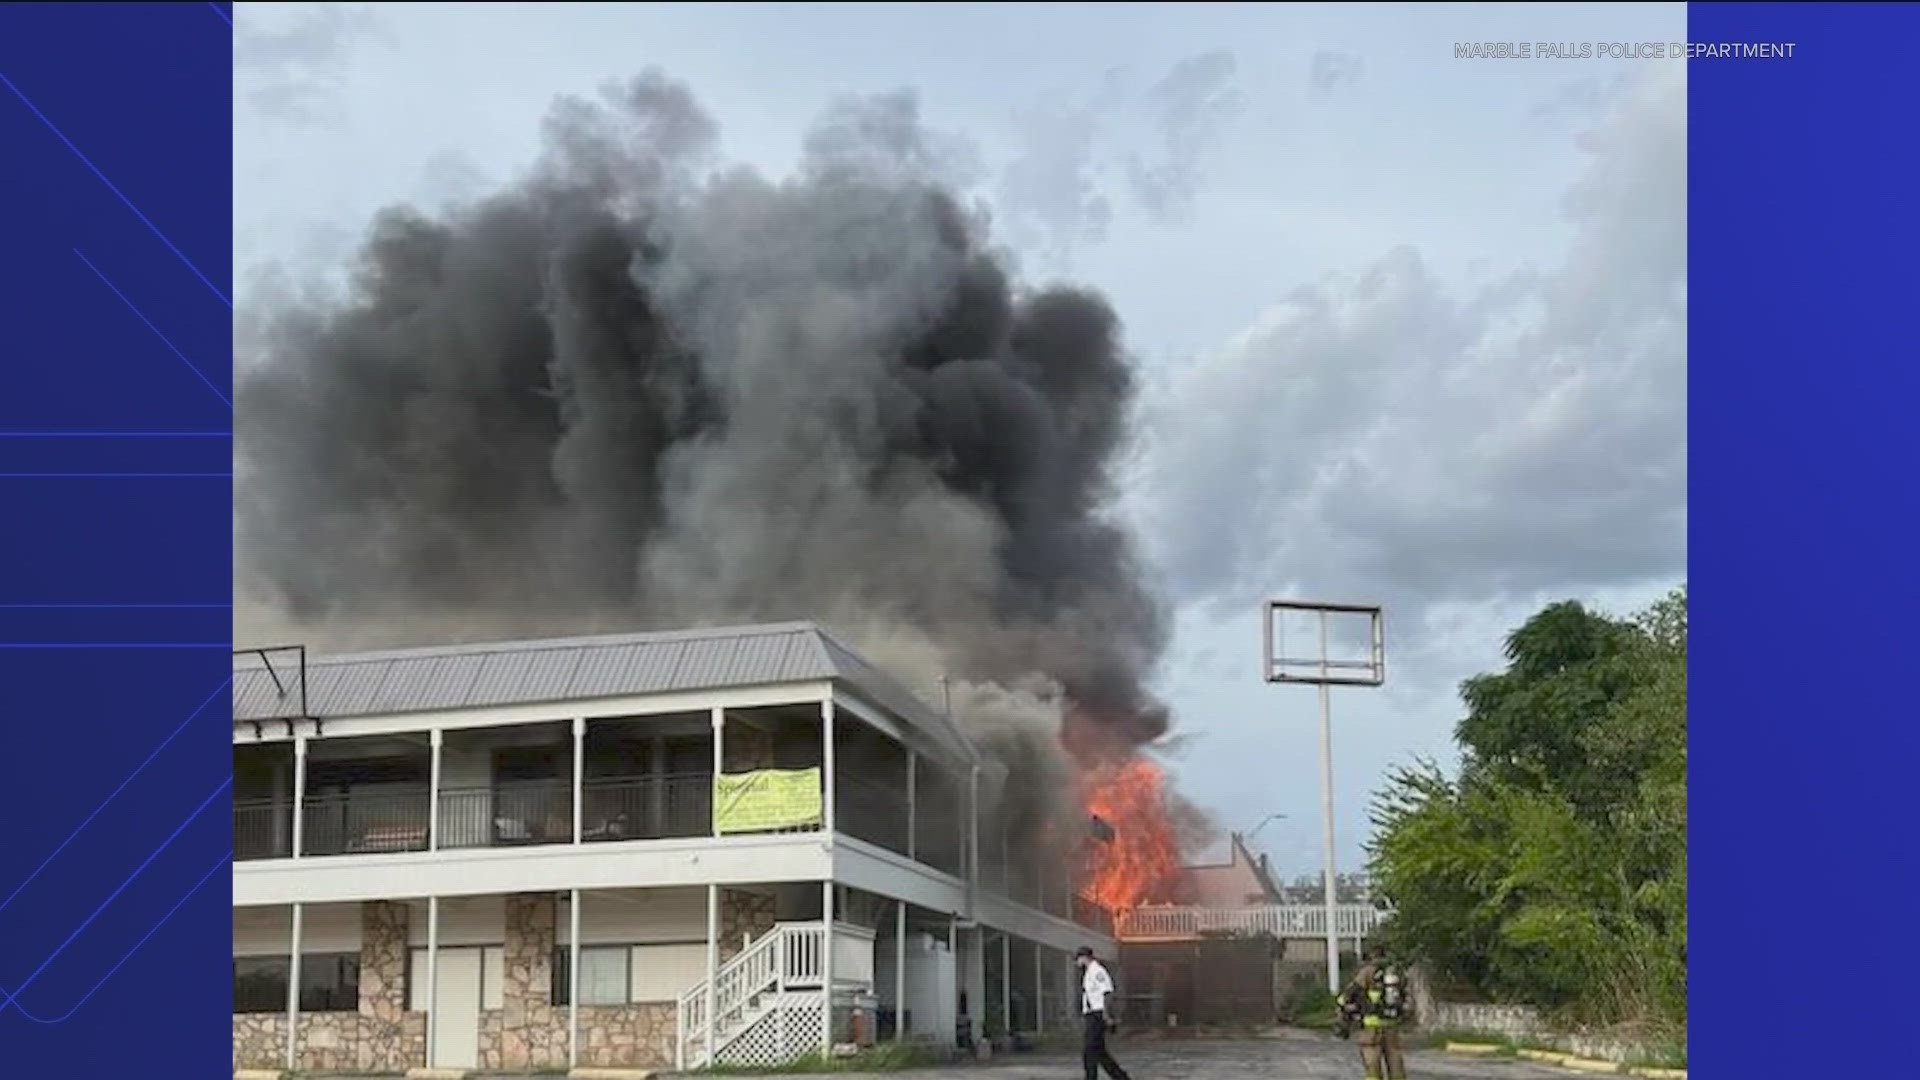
x=759, y=967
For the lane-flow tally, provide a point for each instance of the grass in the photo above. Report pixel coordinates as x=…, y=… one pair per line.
x=1316, y=1010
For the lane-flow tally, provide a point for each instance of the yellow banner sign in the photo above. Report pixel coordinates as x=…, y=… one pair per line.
x=767, y=801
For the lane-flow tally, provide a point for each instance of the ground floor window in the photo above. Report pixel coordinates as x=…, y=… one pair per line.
x=329, y=982
x=606, y=976
x=637, y=974
x=492, y=975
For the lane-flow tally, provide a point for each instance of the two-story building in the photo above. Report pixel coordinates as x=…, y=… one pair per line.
x=648, y=850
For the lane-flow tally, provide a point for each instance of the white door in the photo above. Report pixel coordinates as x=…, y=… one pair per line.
x=456, y=1004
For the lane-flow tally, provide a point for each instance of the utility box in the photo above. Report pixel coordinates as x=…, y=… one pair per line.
x=932, y=1004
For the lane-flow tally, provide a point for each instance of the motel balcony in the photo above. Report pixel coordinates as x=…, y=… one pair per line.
x=644, y=778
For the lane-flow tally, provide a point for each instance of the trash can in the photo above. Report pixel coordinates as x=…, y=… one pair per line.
x=866, y=1008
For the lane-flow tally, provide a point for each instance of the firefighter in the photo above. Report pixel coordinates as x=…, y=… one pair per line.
x=1378, y=998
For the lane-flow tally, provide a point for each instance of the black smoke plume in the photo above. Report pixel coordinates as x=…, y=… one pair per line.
x=638, y=390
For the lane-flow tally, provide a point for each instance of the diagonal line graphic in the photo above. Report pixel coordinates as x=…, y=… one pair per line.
x=112, y=971
x=222, y=12
x=114, y=794
x=114, y=644
x=88, y=162
x=89, y=605
x=142, y=316
x=115, y=895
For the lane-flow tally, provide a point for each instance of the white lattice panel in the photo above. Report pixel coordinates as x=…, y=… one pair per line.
x=761, y=1044
x=806, y=1027
x=758, y=1047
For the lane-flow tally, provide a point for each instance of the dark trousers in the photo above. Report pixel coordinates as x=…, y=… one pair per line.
x=1093, y=1049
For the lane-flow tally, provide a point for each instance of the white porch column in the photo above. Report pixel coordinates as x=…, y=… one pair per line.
x=299, y=796
x=826, y=962
x=973, y=825
x=1006, y=984
x=827, y=760
x=579, y=774
x=573, y=969
x=899, y=971
x=719, y=767
x=913, y=814
x=433, y=975
x=973, y=967
x=435, y=739
x=293, y=982
x=1039, y=992
x=713, y=947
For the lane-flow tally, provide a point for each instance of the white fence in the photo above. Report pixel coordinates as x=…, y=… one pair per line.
x=1278, y=920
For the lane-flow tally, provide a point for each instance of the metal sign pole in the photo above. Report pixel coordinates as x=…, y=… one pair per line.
x=1319, y=670
x=1326, y=809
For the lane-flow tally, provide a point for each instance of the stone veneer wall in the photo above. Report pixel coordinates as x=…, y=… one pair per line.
x=530, y=1032
x=527, y=1032
x=743, y=913
x=1521, y=1022
x=632, y=1036
x=381, y=1035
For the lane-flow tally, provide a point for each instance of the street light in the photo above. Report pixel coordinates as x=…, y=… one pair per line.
x=1264, y=822
x=1325, y=671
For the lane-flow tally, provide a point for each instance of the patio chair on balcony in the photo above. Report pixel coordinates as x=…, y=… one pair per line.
x=379, y=838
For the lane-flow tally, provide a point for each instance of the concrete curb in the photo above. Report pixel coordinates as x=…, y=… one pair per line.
x=1567, y=1061
x=610, y=1074
x=258, y=1074
x=436, y=1074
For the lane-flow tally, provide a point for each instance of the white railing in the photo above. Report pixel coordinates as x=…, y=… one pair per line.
x=1278, y=920
x=785, y=959
x=852, y=956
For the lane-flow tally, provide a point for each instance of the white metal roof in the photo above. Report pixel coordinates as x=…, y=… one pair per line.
x=572, y=669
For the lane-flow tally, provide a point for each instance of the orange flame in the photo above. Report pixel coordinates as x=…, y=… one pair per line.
x=1142, y=860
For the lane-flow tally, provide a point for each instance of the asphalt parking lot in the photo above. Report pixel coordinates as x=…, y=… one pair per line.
x=1294, y=1056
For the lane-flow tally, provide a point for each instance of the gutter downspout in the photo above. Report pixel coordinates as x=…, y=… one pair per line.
x=973, y=844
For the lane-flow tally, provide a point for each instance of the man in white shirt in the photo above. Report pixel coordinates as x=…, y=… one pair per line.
x=1095, y=987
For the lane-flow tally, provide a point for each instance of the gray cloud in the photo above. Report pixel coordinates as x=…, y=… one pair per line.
x=1050, y=193
x=1333, y=69
x=288, y=58
x=1075, y=162
x=1583, y=101
x=1390, y=436
x=1190, y=109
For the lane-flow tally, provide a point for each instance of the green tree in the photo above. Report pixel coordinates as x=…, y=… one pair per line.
x=1552, y=868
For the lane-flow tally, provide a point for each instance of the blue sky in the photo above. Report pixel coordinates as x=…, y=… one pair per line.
x=1412, y=328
